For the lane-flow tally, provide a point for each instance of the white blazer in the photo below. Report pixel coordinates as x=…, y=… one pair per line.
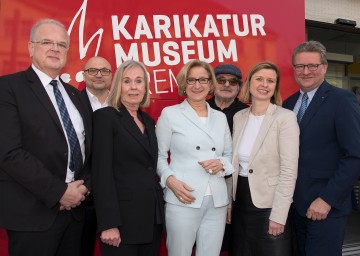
x=189, y=140
x=273, y=160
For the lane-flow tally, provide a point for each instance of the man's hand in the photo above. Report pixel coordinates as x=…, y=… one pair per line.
x=318, y=210
x=74, y=195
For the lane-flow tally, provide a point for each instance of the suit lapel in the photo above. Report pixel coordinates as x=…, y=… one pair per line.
x=265, y=126
x=314, y=105
x=87, y=100
x=133, y=129
x=41, y=94
x=152, y=147
x=290, y=103
x=191, y=115
x=238, y=133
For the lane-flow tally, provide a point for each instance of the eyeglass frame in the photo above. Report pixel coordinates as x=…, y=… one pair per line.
x=48, y=43
x=205, y=80
x=232, y=80
x=101, y=70
x=310, y=67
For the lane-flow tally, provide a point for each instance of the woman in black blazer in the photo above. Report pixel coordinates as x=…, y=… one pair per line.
x=127, y=195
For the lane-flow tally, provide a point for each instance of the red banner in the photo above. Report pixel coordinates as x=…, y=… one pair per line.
x=162, y=34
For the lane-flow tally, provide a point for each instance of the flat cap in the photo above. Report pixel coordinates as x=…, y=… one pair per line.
x=228, y=69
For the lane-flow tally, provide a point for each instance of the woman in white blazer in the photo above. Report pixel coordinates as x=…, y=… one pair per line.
x=199, y=141
x=265, y=158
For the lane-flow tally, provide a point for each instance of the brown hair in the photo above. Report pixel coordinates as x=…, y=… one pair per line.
x=311, y=46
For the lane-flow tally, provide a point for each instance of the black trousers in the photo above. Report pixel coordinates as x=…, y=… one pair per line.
x=89, y=231
x=249, y=233
x=61, y=239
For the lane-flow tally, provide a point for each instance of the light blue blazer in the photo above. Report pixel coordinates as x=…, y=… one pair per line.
x=189, y=140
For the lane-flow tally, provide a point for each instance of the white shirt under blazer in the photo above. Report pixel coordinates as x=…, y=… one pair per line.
x=190, y=140
x=273, y=160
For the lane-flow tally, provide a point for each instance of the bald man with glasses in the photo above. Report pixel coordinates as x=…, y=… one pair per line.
x=97, y=77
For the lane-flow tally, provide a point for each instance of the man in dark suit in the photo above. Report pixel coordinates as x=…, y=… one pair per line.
x=44, y=151
x=329, y=160
x=97, y=77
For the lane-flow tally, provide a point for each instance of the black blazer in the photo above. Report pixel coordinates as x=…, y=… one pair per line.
x=86, y=98
x=127, y=193
x=329, y=156
x=34, y=153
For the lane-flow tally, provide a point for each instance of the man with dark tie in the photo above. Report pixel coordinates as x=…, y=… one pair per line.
x=44, y=150
x=329, y=160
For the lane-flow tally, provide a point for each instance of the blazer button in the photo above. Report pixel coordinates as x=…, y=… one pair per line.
x=251, y=171
x=197, y=147
x=213, y=149
x=150, y=168
x=65, y=154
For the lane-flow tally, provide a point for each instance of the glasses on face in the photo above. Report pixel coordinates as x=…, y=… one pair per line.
x=232, y=82
x=301, y=67
x=49, y=44
x=95, y=71
x=200, y=80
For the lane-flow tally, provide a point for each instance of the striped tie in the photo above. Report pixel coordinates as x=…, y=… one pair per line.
x=303, y=106
x=76, y=161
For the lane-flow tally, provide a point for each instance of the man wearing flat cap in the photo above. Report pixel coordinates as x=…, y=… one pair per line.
x=228, y=83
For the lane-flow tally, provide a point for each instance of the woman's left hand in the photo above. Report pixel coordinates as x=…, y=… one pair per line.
x=212, y=166
x=275, y=228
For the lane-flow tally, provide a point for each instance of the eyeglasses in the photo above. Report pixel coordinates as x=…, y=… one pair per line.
x=200, y=80
x=95, y=71
x=232, y=82
x=311, y=67
x=48, y=44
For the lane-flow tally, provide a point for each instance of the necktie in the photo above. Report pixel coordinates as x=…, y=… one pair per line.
x=303, y=106
x=75, y=154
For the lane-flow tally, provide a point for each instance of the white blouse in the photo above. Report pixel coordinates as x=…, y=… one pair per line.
x=247, y=142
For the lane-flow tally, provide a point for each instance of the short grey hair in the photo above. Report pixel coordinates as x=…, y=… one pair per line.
x=46, y=21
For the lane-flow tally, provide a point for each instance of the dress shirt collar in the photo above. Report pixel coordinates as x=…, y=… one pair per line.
x=310, y=94
x=94, y=101
x=44, y=78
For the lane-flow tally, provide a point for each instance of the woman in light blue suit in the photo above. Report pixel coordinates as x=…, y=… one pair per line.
x=199, y=141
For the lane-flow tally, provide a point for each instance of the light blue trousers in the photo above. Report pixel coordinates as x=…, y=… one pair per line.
x=186, y=225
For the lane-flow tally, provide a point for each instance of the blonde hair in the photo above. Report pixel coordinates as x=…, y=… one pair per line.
x=115, y=91
x=245, y=90
x=184, y=73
